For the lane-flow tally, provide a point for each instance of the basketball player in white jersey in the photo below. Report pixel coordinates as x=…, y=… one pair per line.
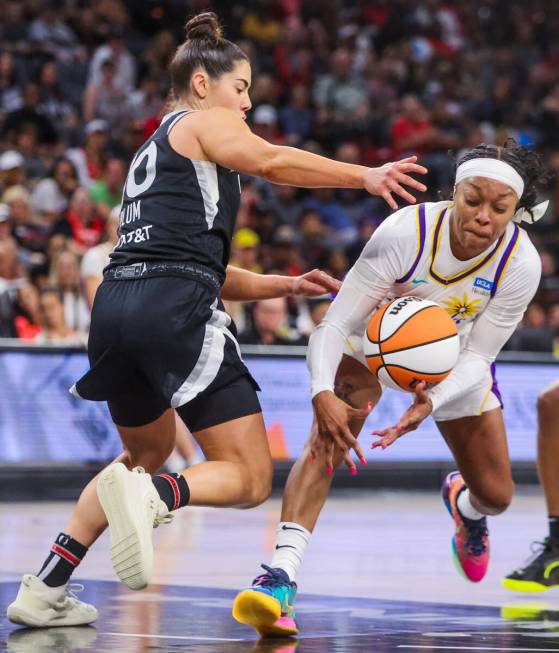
x=470, y=256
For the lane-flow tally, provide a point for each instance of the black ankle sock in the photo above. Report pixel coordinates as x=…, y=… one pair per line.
x=65, y=555
x=172, y=489
x=554, y=531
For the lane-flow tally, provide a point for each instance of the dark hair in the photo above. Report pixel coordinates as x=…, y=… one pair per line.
x=52, y=290
x=62, y=159
x=205, y=48
x=527, y=163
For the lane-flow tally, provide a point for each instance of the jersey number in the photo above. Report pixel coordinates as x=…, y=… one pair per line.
x=150, y=156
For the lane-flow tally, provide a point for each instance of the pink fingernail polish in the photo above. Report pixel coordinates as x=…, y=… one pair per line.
x=330, y=471
x=353, y=470
x=363, y=461
x=369, y=405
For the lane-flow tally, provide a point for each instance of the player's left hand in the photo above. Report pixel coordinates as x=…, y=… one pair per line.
x=411, y=419
x=315, y=283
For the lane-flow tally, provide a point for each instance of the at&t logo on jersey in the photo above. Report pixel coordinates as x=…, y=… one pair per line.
x=481, y=284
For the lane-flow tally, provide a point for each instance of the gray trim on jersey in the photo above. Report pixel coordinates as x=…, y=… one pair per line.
x=210, y=359
x=182, y=113
x=206, y=172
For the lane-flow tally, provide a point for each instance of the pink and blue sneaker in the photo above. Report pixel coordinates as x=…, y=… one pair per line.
x=470, y=544
x=267, y=605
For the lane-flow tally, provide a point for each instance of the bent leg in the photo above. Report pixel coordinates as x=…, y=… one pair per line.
x=308, y=485
x=238, y=472
x=548, y=446
x=145, y=446
x=479, y=446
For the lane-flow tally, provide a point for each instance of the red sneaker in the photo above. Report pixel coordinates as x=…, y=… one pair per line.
x=470, y=544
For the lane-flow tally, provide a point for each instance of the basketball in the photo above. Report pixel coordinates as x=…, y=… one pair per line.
x=411, y=340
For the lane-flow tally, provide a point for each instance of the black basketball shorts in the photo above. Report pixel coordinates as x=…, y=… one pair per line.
x=159, y=342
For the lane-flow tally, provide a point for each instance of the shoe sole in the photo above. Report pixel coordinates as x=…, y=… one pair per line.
x=283, y=627
x=21, y=617
x=256, y=609
x=131, y=546
x=527, y=586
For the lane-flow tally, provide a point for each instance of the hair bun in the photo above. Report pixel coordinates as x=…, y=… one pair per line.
x=204, y=26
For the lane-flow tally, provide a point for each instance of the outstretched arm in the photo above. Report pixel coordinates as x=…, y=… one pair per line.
x=243, y=285
x=226, y=139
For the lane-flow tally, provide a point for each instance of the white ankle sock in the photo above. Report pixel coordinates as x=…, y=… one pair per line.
x=291, y=542
x=465, y=506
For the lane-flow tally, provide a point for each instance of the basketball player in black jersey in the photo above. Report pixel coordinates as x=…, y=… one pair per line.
x=160, y=338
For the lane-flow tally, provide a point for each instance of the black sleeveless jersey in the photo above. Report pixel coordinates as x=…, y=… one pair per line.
x=175, y=208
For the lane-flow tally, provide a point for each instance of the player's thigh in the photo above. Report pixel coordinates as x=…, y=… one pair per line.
x=479, y=446
x=149, y=445
x=227, y=423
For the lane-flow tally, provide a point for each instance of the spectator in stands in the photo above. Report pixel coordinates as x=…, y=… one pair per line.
x=11, y=169
x=55, y=329
x=82, y=225
x=107, y=100
x=339, y=93
x=90, y=159
x=11, y=98
x=147, y=100
x=106, y=192
x=30, y=235
x=269, y=318
x=11, y=275
x=66, y=278
x=27, y=320
x=124, y=64
x=30, y=114
x=49, y=28
x=51, y=196
x=97, y=258
x=535, y=334
x=246, y=244
x=315, y=239
x=296, y=118
x=158, y=55
x=53, y=102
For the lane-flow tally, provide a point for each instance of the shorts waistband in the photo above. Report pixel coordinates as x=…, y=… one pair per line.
x=153, y=269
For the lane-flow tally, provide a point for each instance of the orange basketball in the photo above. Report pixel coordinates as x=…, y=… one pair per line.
x=411, y=340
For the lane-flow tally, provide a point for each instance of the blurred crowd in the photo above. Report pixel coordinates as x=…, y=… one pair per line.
x=83, y=84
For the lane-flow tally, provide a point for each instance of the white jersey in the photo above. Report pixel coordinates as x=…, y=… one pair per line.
x=410, y=254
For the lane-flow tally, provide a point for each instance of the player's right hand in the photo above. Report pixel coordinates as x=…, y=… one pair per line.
x=333, y=417
x=391, y=177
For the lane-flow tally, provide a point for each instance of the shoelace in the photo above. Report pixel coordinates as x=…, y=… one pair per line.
x=270, y=578
x=72, y=590
x=159, y=519
x=476, y=534
x=163, y=519
x=537, y=548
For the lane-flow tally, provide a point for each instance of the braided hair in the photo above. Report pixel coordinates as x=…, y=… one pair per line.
x=527, y=163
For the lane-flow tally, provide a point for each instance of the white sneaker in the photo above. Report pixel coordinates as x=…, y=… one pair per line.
x=133, y=508
x=39, y=605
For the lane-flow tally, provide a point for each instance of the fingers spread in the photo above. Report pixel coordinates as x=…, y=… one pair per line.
x=406, y=180
x=389, y=200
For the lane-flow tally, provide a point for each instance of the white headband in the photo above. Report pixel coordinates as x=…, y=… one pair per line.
x=491, y=169
x=506, y=174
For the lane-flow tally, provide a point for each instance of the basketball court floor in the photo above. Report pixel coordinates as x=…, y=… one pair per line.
x=378, y=577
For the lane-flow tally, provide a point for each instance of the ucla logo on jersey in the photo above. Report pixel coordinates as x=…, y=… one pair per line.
x=483, y=284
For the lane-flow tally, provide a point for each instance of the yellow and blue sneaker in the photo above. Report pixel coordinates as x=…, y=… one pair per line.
x=267, y=605
x=540, y=573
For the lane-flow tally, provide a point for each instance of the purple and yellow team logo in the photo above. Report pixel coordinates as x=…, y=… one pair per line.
x=461, y=308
